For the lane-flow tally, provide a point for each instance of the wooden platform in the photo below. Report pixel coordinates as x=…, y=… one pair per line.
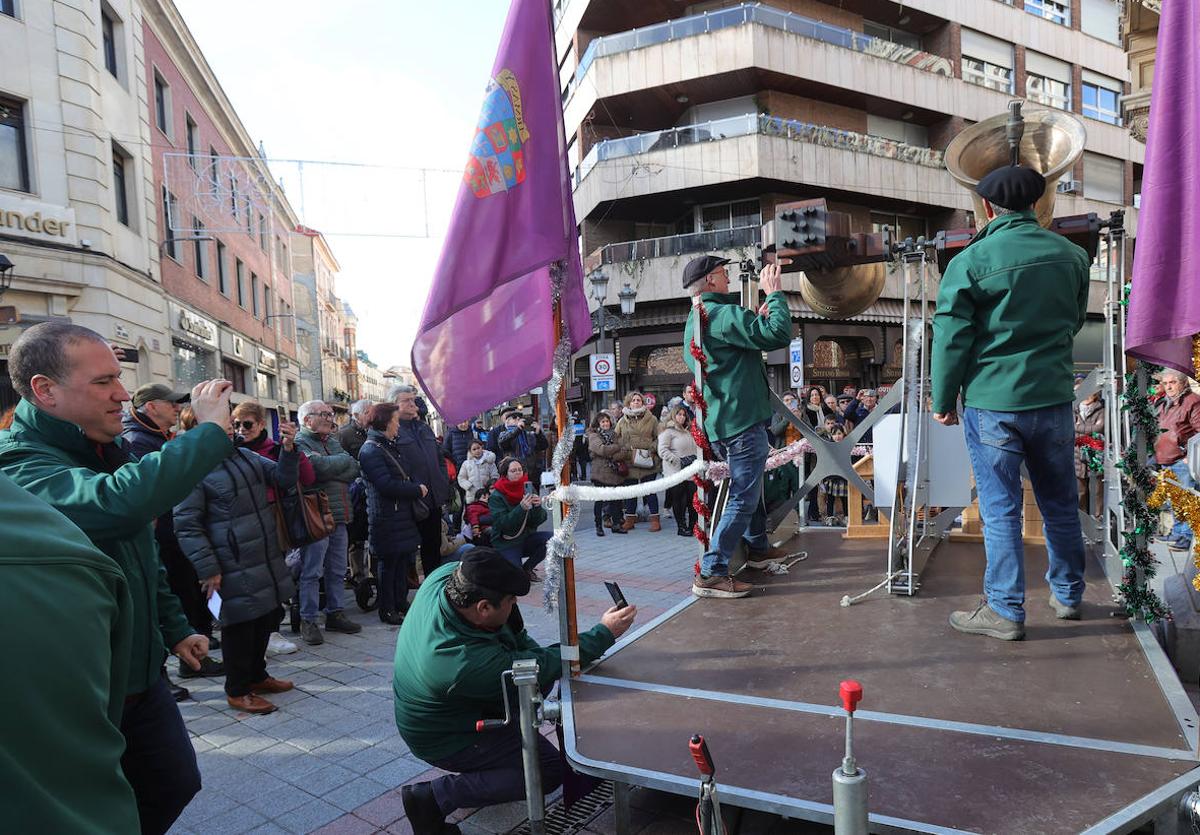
x=958, y=733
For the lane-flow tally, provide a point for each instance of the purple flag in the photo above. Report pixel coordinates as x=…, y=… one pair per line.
x=487, y=333
x=1164, y=307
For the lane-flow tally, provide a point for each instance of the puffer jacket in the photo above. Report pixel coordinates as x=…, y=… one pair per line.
x=458, y=444
x=1179, y=421
x=423, y=459
x=477, y=473
x=227, y=527
x=390, y=496
x=1093, y=423
x=603, y=472
x=335, y=469
x=641, y=433
x=675, y=444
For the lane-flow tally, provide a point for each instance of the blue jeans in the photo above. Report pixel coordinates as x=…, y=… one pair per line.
x=1044, y=440
x=745, y=515
x=324, y=558
x=529, y=553
x=1180, y=531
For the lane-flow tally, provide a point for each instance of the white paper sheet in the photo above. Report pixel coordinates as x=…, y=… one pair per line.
x=214, y=604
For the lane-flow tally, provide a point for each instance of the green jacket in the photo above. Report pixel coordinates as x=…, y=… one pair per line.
x=336, y=470
x=1008, y=310
x=116, y=507
x=66, y=610
x=512, y=524
x=736, y=383
x=447, y=672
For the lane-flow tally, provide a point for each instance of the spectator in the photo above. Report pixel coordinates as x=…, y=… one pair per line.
x=453, y=547
x=227, y=529
x=464, y=629
x=1179, y=420
x=831, y=404
x=814, y=410
x=677, y=449
x=64, y=446
x=250, y=431
x=517, y=513
x=477, y=518
x=845, y=411
x=458, y=443
x=524, y=444
x=424, y=462
x=858, y=411
x=1089, y=420
x=580, y=456
x=326, y=558
x=639, y=431
x=610, y=468
x=73, y=661
x=615, y=410
x=392, y=494
x=493, y=434
x=478, y=470
x=148, y=425
x=354, y=434
x=835, y=486
x=783, y=432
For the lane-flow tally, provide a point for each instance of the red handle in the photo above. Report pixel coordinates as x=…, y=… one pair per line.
x=851, y=692
x=488, y=724
x=699, y=749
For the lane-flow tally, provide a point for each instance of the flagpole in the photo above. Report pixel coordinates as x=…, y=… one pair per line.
x=564, y=478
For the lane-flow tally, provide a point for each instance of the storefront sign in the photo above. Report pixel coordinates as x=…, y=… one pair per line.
x=834, y=372
x=267, y=360
x=40, y=221
x=198, y=328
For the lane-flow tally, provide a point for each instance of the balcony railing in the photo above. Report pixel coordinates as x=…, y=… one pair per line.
x=673, y=245
x=756, y=123
x=766, y=16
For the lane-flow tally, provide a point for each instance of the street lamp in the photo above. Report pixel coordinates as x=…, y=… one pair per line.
x=6, y=271
x=628, y=297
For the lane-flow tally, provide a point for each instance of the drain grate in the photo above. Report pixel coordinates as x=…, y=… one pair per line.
x=560, y=821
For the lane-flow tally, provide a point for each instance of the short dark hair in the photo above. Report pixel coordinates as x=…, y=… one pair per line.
x=508, y=462
x=43, y=350
x=381, y=415
x=462, y=593
x=475, y=442
x=483, y=491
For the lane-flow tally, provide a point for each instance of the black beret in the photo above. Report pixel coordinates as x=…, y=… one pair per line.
x=1014, y=187
x=698, y=268
x=488, y=568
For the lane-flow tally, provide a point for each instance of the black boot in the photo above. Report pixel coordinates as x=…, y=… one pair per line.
x=619, y=528
x=599, y=529
x=682, y=531
x=390, y=617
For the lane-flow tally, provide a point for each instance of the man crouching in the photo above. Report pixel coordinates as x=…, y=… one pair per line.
x=462, y=630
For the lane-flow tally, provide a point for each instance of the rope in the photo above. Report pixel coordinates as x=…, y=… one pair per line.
x=574, y=493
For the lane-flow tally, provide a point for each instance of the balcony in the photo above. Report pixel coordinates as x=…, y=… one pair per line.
x=739, y=237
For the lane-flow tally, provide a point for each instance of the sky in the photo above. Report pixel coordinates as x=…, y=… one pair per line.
x=393, y=85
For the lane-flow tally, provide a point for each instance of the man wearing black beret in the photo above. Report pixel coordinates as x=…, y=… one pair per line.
x=461, y=632
x=1008, y=310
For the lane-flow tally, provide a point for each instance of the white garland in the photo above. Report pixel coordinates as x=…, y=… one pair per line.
x=574, y=493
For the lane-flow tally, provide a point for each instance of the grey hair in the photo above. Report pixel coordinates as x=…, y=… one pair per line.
x=1172, y=372
x=42, y=350
x=361, y=407
x=309, y=408
x=400, y=388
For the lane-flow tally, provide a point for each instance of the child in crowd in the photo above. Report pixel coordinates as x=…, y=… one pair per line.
x=477, y=519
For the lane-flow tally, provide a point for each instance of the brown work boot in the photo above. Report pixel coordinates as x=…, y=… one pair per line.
x=718, y=586
x=271, y=685
x=629, y=522
x=250, y=704
x=762, y=559
x=655, y=524
x=984, y=620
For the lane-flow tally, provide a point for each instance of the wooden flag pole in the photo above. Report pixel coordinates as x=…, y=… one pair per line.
x=568, y=565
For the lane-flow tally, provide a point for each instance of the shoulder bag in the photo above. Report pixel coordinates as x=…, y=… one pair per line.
x=302, y=518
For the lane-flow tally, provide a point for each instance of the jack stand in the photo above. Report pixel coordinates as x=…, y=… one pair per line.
x=850, y=781
x=708, y=809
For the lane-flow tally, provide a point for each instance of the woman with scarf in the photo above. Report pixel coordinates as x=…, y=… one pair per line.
x=639, y=429
x=250, y=424
x=1089, y=421
x=677, y=449
x=516, y=514
x=392, y=500
x=610, y=468
x=815, y=410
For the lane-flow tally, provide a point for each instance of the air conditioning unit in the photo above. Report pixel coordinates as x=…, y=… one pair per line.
x=1069, y=187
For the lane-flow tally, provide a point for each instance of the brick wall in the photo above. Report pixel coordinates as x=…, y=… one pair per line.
x=946, y=41
x=944, y=130
x=1019, y=70
x=788, y=106
x=1076, y=14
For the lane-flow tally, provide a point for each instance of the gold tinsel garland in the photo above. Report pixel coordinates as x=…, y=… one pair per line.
x=1196, y=356
x=1185, y=504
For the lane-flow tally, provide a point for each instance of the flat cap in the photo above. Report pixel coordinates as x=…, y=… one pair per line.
x=159, y=391
x=488, y=568
x=1014, y=187
x=698, y=268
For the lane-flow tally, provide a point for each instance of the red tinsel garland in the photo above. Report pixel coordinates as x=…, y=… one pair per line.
x=703, y=484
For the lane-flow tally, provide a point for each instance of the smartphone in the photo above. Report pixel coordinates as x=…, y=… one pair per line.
x=282, y=411
x=615, y=591
x=529, y=488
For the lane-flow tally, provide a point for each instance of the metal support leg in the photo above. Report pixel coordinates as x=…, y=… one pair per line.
x=621, y=809
x=525, y=677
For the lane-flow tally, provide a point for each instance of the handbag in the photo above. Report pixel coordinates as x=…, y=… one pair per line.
x=643, y=459
x=302, y=518
x=420, y=508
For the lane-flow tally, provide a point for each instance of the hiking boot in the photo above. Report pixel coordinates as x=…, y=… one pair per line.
x=338, y=622
x=718, y=586
x=983, y=620
x=628, y=524
x=422, y=810
x=209, y=668
x=762, y=559
x=250, y=704
x=1062, y=611
x=310, y=633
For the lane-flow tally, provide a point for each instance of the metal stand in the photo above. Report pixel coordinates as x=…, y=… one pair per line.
x=708, y=808
x=849, y=781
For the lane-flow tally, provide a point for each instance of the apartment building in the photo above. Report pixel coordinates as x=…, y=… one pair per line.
x=324, y=343
x=688, y=124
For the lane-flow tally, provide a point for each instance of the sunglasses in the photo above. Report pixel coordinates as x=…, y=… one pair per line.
x=244, y=424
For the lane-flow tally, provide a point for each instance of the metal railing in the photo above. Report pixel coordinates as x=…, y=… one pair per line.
x=672, y=245
x=761, y=14
x=756, y=123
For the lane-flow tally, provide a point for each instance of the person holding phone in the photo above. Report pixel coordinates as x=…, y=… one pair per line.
x=517, y=513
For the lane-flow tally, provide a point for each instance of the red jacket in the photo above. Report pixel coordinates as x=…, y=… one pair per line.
x=1179, y=422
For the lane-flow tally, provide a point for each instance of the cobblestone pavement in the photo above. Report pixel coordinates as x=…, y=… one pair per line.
x=330, y=759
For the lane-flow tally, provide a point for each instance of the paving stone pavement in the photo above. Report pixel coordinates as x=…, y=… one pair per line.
x=330, y=759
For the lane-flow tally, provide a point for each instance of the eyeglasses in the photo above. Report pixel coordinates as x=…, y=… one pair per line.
x=322, y=414
x=244, y=424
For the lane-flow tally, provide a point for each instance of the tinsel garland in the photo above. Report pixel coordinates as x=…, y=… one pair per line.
x=1091, y=451
x=1185, y=504
x=704, y=484
x=719, y=470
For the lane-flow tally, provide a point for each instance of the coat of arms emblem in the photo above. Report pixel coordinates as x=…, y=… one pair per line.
x=497, y=160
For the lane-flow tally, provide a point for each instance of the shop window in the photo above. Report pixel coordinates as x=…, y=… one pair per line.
x=666, y=360
x=235, y=374
x=190, y=363
x=14, y=152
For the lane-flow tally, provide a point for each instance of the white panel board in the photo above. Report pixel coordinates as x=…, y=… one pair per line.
x=949, y=466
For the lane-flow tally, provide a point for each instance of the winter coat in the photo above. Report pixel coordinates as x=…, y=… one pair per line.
x=227, y=527
x=458, y=444
x=815, y=418
x=618, y=451
x=511, y=523
x=141, y=437
x=267, y=448
x=335, y=469
x=640, y=433
x=352, y=438
x=477, y=473
x=423, y=459
x=390, y=496
x=115, y=500
x=1086, y=426
x=527, y=446
x=783, y=432
x=675, y=444
x=1179, y=421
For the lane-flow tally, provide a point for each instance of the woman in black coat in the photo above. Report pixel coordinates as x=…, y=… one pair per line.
x=227, y=528
x=391, y=496
x=813, y=409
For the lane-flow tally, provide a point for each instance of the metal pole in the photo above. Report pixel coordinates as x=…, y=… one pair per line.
x=849, y=781
x=568, y=566
x=525, y=677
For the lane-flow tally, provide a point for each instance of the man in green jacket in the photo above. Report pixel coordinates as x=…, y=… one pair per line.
x=1008, y=310
x=64, y=446
x=461, y=632
x=70, y=605
x=739, y=410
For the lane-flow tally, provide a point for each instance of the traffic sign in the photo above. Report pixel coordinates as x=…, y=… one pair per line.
x=796, y=357
x=604, y=372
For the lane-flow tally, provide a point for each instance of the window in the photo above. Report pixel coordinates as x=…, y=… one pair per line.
x=201, y=249
x=1103, y=178
x=898, y=130
x=14, y=159
x=987, y=61
x=222, y=270
x=291, y=391
x=254, y=294
x=162, y=104
x=1047, y=80
x=262, y=233
x=190, y=129
x=170, y=246
x=728, y=215
x=214, y=169
x=1101, y=98
x=108, y=29
x=267, y=302
x=1101, y=19
x=7, y=7
x=890, y=33
x=235, y=374
x=233, y=196
x=249, y=219
x=121, y=165
x=240, y=277
x=1059, y=13
x=987, y=75
x=266, y=385
x=905, y=226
